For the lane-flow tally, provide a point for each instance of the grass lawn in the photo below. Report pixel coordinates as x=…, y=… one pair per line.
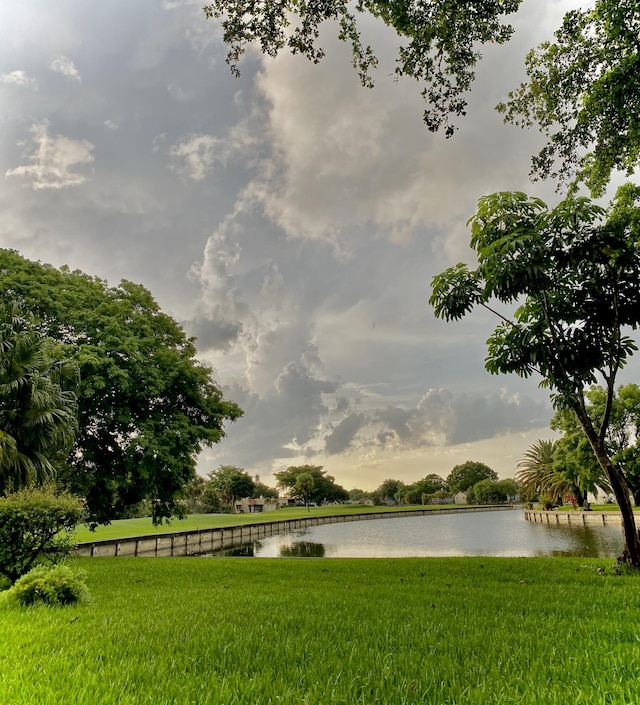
x=230, y=631
x=594, y=508
x=136, y=527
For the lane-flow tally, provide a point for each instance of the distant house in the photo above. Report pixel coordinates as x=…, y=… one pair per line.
x=460, y=498
x=255, y=506
x=601, y=497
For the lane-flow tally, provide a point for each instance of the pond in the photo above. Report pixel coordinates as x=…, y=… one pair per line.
x=500, y=533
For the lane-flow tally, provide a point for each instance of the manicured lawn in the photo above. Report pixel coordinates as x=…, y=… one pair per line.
x=594, y=508
x=135, y=527
x=322, y=632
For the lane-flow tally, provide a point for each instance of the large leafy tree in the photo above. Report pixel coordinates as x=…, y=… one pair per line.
x=422, y=489
x=231, y=483
x=390, y=490
x=146, y=405
x=304, y=487
x=439, y=39
x=37, y=404
x=315, y=486
x=583, y=91
x=492, y=491
x=467, y=474
x=571, y=274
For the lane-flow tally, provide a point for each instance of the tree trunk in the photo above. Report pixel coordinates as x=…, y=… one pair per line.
x=620, y=487
x=581, y=497
x=631, y=554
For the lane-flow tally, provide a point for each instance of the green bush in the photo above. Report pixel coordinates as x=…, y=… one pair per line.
x=50, y=585
x=35, y=525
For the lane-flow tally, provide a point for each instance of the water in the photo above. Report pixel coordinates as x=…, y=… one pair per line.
x=503, y=533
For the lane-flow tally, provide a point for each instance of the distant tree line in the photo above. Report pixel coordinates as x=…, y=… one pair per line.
x=476, y=480
x=302, y=484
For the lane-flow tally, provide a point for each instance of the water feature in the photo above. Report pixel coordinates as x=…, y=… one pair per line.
x=504, y=533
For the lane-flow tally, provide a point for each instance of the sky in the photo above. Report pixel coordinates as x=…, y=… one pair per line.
x=290, y=219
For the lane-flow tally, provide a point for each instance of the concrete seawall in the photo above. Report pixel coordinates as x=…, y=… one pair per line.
x=574, y=518
x=200, y=541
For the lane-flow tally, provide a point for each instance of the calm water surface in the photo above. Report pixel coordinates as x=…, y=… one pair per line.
x=502, y=533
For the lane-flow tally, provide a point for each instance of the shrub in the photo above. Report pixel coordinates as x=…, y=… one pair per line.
x=50, y=585
x=35, y=524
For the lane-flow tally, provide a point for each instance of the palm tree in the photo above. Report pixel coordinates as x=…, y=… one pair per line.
x=37, y=404
x=539, y=478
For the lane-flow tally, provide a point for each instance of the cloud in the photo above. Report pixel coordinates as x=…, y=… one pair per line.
x=19, y=78
x=355, y=172
x=439, y=419
x=316, y=211
x=55, y=160
x=339, y=440
x=63, y=65
x=337, y=161
x=222, y=314
x=343, y=159
x=305, y=415
x=465, y=418
x=282, y=423
x=303, y=393
x=194, y=157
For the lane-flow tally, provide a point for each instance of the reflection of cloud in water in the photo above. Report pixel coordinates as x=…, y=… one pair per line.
x=502, y=533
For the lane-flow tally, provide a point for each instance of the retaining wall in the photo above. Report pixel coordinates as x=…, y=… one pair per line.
x=201, y=541
x=574, y=518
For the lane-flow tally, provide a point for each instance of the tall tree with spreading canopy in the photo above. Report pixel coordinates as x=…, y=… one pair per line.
x=231, y=483
x=316, y=485
x=582, y=92
x=419, y=491
x=439, y=39
x=146, y=405
x=390, y=490
x=37, y=404
x=467, y=474
x=572, y=274
x=492, y=491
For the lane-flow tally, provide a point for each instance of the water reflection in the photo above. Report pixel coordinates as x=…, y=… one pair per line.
x=246, y=551
x=504, y=533
x=302, y=549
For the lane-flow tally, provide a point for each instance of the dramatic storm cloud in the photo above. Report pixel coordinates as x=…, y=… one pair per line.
x=291, y=219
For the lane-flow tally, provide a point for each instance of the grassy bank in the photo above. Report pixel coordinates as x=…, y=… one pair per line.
x=136, y=527
x=593, y=508
x=319, y=632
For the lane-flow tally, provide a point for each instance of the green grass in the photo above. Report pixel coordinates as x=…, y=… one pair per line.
x=136, y=527
x=322, y=632
x=594, y=508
